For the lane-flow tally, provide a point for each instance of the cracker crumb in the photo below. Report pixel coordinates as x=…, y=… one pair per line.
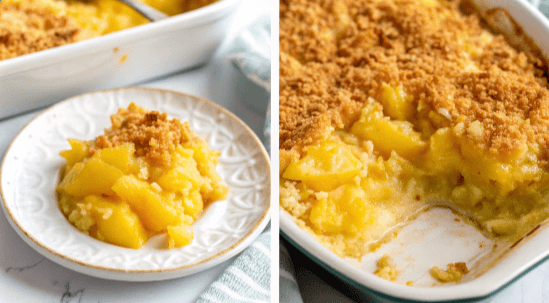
x=153, y=135
x=33, y=25
x=333, y=57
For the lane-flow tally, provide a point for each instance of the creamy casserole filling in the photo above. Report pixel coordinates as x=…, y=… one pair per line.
x=389, y=107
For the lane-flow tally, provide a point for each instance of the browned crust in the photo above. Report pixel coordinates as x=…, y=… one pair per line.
x=31, y=26
x=28, y=26
x=152, y=133
x=334, y=54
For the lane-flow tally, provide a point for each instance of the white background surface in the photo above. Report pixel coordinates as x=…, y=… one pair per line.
x=26, y=276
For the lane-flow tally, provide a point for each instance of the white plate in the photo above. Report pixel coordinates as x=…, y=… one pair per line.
x=31, y=168
x=432, y=247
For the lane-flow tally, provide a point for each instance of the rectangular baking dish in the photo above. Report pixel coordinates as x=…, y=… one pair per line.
x=438, y=236
x=117, y=59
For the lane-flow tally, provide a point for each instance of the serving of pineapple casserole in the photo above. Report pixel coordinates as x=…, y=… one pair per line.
x=146, y=175
x=27, y=26
x=390, y=107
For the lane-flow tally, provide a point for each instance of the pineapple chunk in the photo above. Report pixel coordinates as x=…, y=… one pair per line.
x=93, y=177
x=344, y=210
x=325, y=166
x=396, y=104
x=180, y=235
x=120, y=156
x=154, y=210
x=206, y=160
x=193, y=204
x=487, y=166
x=116, y=223
x=183, y=175
x=507, y=175
x=443, y=156
x=79, y=150
x=388, y=135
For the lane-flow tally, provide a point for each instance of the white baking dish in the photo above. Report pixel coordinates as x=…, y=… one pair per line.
x=427, y=242
x=118, y=59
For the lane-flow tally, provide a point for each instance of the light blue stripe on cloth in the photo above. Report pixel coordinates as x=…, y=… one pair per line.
x=247, y=279
x=252, y=52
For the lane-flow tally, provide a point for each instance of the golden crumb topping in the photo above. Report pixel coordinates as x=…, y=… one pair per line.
x=334, y=54
x=31, y=26
x=153, y=135
x=28, y=26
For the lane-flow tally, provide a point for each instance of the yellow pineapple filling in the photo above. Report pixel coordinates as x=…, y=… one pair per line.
x=360, y=182
x=146, y=175
x=390, y=107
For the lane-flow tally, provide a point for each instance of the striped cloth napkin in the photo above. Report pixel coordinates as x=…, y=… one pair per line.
x=248, y=278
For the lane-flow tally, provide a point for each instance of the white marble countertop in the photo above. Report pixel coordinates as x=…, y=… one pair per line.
x=27, y=276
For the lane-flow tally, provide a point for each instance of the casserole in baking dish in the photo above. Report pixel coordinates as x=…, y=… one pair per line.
x=117, y=59
x=32, y=25
x=390, y=108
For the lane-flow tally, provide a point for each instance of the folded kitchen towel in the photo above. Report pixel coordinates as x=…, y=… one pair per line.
x=247, y=279
x=251, y=54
